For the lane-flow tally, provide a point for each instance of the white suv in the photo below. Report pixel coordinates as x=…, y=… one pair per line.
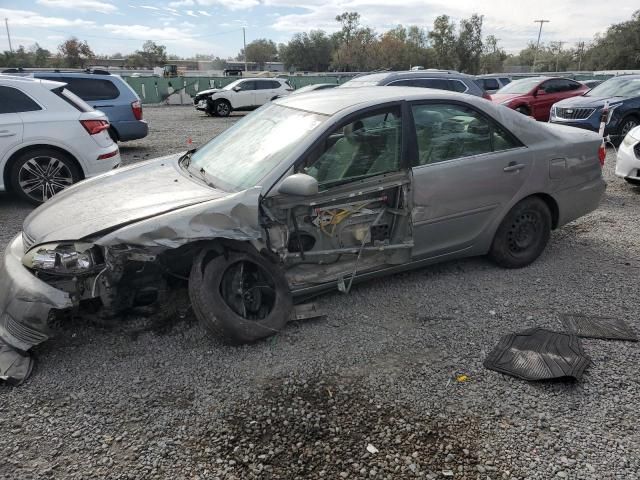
x=49, y=138
x=245, y=94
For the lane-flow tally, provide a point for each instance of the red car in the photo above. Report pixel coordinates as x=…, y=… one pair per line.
x=534, y=96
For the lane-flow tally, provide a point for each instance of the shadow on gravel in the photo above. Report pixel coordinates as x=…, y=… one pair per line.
x=326, y=428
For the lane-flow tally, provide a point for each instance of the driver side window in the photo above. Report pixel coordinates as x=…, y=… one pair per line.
x=368, y=146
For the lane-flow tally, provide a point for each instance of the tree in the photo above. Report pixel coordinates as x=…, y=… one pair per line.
x=307, y=51
x=469, y=44
x=443, y=41
x=152, y=54
x=260, y=51
x=40, y=55
x=493, y=57
x=75, y=53
x=354, y=44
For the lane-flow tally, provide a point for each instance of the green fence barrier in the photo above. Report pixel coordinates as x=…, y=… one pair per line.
x=157, y=89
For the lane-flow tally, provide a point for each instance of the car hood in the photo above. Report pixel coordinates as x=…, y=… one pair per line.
x=584, y=101
x=208, y=92
x=117, y=198
x=503, y=97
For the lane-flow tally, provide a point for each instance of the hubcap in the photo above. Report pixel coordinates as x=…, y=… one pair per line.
x=223, y=108
x=42, y=177
x=524, y=232
x=248, y=290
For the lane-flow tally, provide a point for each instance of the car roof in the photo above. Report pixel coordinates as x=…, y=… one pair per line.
x=28, y=81
x=333, y=100
x=379, y=76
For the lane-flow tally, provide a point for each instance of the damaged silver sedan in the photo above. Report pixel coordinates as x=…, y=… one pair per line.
x=309, y=193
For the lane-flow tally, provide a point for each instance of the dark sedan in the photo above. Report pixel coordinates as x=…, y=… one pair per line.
x=623, y=95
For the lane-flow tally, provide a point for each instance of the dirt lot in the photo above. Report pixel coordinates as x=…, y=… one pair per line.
x=149, y=400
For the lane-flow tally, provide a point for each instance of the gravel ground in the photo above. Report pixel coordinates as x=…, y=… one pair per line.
x=145, y=400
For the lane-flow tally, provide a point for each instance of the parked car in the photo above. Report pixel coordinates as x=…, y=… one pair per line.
x=245, y=94
x=492, y=83
x=49, y=138
x=109, y=94
x=308, y=194
x=534, y=96
x=628, y=160
x=591, y=83
x=316, y=87
x=623, y=95
x=438, y=79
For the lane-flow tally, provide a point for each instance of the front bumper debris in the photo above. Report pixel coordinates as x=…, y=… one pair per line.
x=25, y=305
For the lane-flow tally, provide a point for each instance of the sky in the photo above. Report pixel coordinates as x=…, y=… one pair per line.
x=188, y=27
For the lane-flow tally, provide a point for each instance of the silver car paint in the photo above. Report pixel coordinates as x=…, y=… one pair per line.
x=186, y=210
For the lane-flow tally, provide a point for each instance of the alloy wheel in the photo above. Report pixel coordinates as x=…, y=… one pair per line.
x=40, y=178
x=627, y=127
x=222, y=109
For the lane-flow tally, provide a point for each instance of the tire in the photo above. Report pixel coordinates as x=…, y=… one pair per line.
x=259, y=312
x=523, y=110
x=222, y=108
x=633, y=181
x=523, y=234
x=627, y=124
x=38, y=174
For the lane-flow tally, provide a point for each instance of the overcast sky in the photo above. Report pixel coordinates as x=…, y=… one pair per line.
x=187, y=27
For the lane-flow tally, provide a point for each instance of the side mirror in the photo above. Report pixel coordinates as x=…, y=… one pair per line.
x=237, y=89
x=299, y=184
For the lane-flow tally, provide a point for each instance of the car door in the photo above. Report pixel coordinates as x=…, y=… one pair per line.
x=359, y=219
x=264, y=91
x=11, y=127
x=547, y=94
x=466, y=171
x=245, y=97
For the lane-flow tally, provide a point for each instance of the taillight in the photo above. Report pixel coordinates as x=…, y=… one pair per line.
x=602, y=153
x=95, y=126
x=136, y=108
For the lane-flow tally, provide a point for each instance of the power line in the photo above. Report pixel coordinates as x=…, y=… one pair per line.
x=535, y=56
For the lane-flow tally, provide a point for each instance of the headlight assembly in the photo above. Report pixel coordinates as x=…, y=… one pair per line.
x=64, y=258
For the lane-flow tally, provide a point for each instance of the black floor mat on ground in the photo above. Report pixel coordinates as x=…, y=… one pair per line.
x=589, y=326
x=538, y=354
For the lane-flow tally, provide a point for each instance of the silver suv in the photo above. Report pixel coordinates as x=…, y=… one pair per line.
x=438, y=79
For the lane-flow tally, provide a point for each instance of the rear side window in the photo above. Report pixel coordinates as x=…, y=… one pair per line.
x=457, y=86
x=13, y=100
x=72, y=99
x=490, y=84
x=505, y=80
x=92, y=88
x=437, y=83
x=248, y=85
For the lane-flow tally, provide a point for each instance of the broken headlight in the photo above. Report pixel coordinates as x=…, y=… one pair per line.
x=63, y=258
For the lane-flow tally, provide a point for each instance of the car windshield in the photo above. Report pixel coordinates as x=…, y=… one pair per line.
x=241, y=156
x=519, y=86
x=617, y=87
x=231, y=85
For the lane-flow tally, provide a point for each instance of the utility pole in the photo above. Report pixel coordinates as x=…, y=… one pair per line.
x=580, y=52
x=6, y=24
x=244, y=40
x=558, y=54
x=535, y=56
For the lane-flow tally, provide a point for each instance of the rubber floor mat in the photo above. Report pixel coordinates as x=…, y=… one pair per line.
x=538, y=354
x=590, y=326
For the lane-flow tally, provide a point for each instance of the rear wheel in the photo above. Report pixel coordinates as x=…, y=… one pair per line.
x=523, y=234
x=241, y=297
x=222, y=108
x=39, y=174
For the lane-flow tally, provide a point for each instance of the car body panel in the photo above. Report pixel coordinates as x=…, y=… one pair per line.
x=628, y=157
x=157, y=207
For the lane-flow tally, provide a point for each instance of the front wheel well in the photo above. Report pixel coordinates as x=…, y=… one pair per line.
x=13, y=158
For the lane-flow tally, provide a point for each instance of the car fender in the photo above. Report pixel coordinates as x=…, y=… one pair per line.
x=219, y=96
